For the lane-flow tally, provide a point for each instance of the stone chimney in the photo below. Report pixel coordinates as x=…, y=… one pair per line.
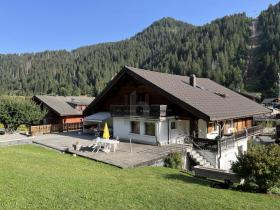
x=193, y=80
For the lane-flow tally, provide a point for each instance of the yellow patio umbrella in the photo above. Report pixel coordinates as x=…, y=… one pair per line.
x=106, y=134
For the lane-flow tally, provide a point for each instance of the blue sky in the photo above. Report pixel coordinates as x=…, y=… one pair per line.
x=38, y=25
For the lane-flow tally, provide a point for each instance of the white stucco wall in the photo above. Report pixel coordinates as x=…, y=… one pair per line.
x=182, y=128
x=230, y=155
x=121, y=129
x=163, y=132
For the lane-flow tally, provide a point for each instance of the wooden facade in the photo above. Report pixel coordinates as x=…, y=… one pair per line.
x=129, y=91
x=53, y=117
x=54, y=128
x=236, y=124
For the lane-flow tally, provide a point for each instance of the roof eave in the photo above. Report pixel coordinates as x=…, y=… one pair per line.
x=104, y=91
x=237, y=117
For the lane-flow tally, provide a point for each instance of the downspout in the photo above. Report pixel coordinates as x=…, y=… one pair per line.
x=219, y=146
x=168, y=132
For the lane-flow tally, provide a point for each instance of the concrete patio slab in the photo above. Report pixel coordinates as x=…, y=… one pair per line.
x=14, y=139
x=126, y=156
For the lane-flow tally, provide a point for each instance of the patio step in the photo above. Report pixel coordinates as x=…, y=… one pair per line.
x=200, y=160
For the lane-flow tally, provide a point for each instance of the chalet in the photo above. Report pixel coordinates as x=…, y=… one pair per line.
x=271, y=102
x=158, y=108
x=61, y=109
x=251, y=95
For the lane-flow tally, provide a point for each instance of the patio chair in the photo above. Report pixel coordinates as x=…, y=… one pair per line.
x=95, y=147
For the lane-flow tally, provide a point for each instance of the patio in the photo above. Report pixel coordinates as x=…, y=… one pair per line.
x=14, y=139
x=126, y=156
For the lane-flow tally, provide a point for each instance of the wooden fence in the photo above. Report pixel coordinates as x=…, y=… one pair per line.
x=55, y=128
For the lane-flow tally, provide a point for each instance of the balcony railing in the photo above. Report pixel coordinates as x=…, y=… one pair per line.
x=205, y=144
x=140, y=110
x=228, y=141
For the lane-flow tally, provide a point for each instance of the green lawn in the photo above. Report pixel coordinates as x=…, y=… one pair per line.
x=32, y=177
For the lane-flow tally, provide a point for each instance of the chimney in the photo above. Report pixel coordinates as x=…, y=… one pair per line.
x=193, y=80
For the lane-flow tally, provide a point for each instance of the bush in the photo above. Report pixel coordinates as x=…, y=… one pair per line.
x=259, y=167
x=173, y=160
x=274, y=190
x=267, y=124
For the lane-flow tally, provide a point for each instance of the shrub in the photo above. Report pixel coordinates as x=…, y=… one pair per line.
x=267, y=124
x=274, y=190
x=259, y=167
x=173, y=160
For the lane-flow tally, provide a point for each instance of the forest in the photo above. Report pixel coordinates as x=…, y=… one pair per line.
x=218, y=50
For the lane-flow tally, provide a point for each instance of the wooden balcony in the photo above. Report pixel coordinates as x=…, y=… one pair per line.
x=140, y=110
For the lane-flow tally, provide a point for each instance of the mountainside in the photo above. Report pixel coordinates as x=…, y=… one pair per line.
x=219, y=50
x=268, y=51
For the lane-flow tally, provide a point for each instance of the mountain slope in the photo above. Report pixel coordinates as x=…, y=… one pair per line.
x=219, y=50
x=85, y=70
x=268, y=54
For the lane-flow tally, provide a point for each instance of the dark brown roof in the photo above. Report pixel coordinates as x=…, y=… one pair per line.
x=207, y=100
x=61, y=104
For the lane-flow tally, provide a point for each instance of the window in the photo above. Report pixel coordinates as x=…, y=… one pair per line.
x=212, y=127
x=135, y=127
x=140, y=97
x=173, y=125
x=150, y=129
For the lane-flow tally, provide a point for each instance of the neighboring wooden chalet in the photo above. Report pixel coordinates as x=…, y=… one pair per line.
x=61, y=109
x=271, y=102
x=159, y=108
x=251, y=95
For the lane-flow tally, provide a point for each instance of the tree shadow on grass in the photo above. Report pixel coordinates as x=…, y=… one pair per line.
x=189, y=179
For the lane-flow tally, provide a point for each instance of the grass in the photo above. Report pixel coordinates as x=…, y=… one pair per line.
x=32, y=177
